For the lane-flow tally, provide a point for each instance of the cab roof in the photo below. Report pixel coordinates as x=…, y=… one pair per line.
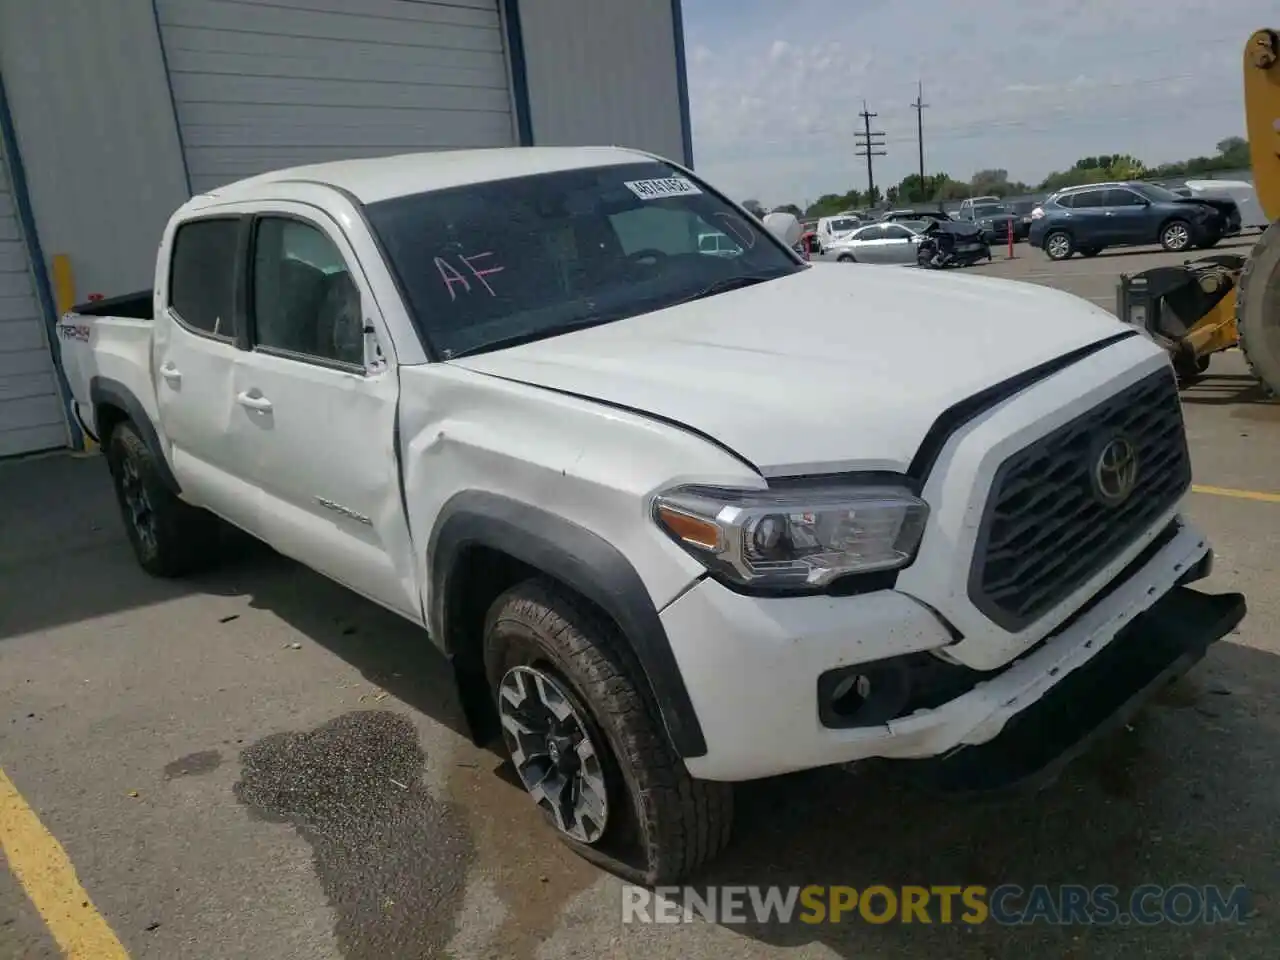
x=380, y=178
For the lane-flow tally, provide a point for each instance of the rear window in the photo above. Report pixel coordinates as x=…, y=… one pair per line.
x=490, y=264
x=202, y=275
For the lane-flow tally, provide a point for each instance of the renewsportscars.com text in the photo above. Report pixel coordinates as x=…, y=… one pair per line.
x=1007, y=904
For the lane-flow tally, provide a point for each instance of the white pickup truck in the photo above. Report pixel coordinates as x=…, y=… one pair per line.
x=676, y=520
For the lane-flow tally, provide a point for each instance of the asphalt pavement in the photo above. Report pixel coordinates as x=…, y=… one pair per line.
x=256, y=763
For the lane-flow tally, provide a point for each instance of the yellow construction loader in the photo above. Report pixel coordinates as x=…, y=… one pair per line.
x=1220, y=301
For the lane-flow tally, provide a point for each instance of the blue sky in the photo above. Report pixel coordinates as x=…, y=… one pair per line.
x=775, y=85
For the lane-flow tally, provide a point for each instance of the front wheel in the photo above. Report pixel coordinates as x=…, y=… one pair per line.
x=588, y=743
x=1058, y=245
x=1175, y=235
x=845, y=258
x=169, y=537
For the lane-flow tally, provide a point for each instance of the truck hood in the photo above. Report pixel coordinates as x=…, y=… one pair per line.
x=832, y=368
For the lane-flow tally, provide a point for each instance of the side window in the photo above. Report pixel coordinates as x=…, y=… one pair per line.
x=894, y=231
x=304, y=300
x=1067, y=200
x=202, y=275
x=875, y=232
x=1123, y=198
x=1089, y=199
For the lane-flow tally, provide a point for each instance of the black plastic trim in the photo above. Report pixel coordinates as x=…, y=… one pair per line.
x=1094, y=699
x=957, y=416
x=583, y=561
x=103, y=391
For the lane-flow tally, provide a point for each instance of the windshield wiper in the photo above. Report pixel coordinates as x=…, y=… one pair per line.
x=725, y=285
x=529, y=336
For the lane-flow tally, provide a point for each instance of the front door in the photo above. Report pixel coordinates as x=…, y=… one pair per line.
x=315, y=403
x=1127, y=217
x=193, y=366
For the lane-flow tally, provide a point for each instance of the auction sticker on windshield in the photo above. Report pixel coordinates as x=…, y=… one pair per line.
x=664, y=187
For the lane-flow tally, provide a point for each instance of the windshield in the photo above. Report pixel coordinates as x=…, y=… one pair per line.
x=991, y=210
x=491, y=264
x=1152, y=192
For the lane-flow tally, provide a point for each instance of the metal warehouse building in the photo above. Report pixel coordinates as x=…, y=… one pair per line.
x=113, y=112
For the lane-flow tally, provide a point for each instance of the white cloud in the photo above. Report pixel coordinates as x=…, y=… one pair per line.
x=1028, y=87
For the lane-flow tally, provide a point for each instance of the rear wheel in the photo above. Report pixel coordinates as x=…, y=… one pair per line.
x=846, y=258
x=1175, y=235
x=169, y=537
x=588, y=743
x=1058, y=245
x=1258, y=309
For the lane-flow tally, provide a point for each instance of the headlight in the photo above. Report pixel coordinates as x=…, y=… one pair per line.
x=798, y=538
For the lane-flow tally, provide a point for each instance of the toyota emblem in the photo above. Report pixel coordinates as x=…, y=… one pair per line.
x=1115, y=473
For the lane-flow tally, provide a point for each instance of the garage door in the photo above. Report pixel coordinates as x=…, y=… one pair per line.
x=260, y=86
x=30, y=410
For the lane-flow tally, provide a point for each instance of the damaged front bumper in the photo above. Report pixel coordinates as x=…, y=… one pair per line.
x=1037, y=743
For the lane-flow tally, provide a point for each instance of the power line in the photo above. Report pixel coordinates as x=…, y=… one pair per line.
x=867, y=144
x=920, y=106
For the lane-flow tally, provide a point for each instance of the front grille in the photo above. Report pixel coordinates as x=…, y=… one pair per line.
x=1045, y=530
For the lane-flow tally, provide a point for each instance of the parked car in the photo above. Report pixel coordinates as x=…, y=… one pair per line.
x=718, y=244
x=875, y=243
x=831, y=229
x=995, y=219
x=673, y=520
x=951, y=244
x=1022, y=218
x=966, y=206
x=1091, y=218
x=914, y=213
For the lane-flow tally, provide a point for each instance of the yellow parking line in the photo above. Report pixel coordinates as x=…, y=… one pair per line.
x=49, y=878
x=1238, y=494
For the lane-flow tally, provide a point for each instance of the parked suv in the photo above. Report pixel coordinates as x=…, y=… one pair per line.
x=993, y=217
x=1090, y=218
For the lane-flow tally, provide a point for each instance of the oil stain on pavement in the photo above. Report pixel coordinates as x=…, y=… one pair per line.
x=392, y=860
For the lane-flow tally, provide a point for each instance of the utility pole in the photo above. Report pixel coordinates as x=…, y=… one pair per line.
x=919, y=107
x=867, y=144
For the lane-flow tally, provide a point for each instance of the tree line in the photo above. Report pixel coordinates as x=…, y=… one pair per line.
x=1233, y=154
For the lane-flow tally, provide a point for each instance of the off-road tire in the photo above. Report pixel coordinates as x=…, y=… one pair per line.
x=1069, y=249
x=663, y=824
x=1170, y=230
x=1258, y=309
x=185, y=539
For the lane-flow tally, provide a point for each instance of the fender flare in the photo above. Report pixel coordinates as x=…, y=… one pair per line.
x=583, y=561
x=104, y=391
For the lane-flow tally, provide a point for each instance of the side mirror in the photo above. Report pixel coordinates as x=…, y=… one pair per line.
x=785, y=227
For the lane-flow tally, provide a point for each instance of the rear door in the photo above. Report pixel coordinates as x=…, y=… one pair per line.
x=194, y=362
x=315, y=403
x=1088, y=218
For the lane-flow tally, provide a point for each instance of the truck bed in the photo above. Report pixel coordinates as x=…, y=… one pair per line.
x=108, y=341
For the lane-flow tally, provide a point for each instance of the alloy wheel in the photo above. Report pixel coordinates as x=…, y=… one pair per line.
x=1059, y=246
x=554, y=756
x=1177, y=237
x=140, y=514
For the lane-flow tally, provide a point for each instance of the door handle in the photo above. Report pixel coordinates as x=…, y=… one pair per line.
x=258, y=402
x=171, y=373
